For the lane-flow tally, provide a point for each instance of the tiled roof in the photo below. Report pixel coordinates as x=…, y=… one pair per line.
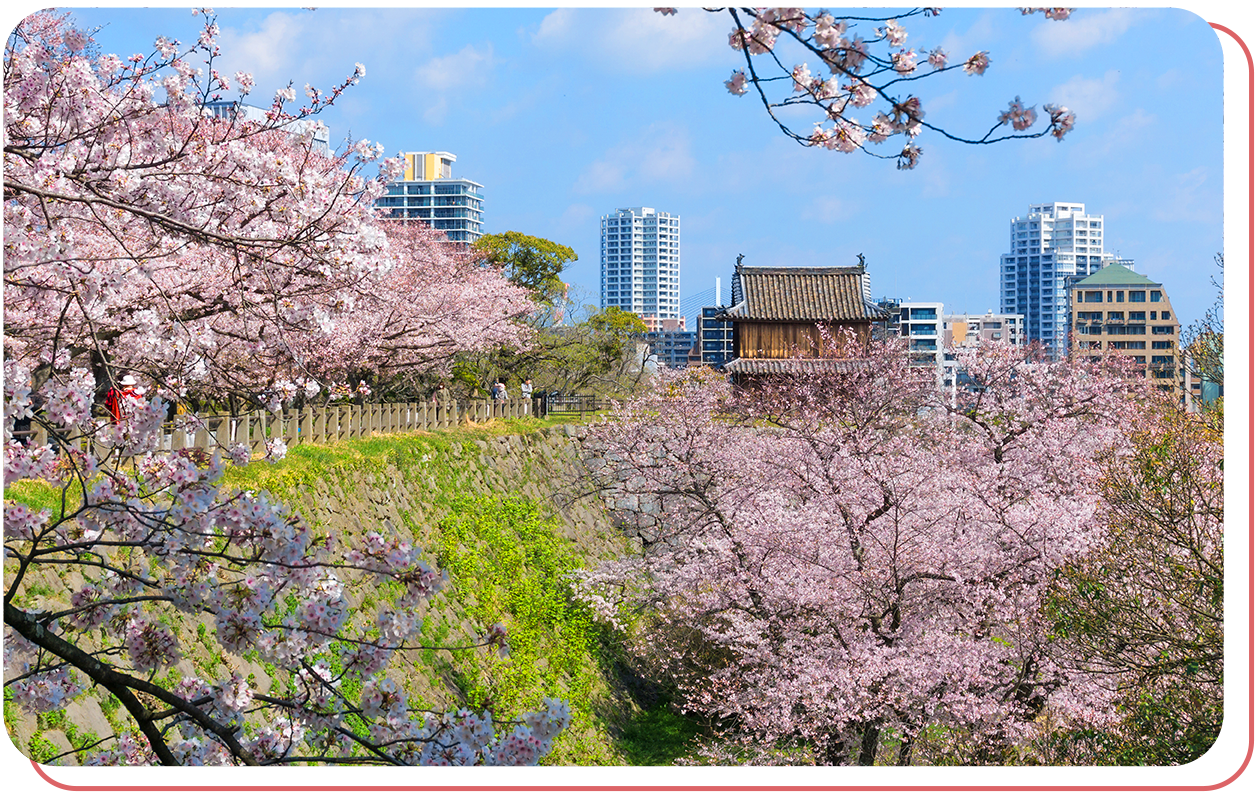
x=811, y=294
x=1114, y=274
x=789, y=365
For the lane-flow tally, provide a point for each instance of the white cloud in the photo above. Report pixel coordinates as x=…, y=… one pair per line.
x=270, y=53
x=321, y=46
x=576, y=217
x=1187, y=199
x=1082, y=31
x=1089, y=98
x=961, y=45
x=638, y=39
x=660, y=153
x=445, y=75
x=827, y=210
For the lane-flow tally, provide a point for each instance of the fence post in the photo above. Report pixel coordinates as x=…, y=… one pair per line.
x=201, y=440
x=220, y=428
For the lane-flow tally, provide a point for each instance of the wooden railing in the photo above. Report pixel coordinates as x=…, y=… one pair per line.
x=324, y=424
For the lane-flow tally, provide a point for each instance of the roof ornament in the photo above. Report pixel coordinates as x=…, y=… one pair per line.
x=738, y=262
x=860, y=259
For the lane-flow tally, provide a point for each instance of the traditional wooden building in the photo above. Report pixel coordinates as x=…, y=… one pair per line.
x=782, y=314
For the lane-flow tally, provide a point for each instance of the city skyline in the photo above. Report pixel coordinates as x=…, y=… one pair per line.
x=564, y=114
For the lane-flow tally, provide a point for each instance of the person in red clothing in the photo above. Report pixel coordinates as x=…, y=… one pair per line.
x=119, y=399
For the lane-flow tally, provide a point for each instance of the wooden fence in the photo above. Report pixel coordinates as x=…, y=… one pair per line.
x=326, y=424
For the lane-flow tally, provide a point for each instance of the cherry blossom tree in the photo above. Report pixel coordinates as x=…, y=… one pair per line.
x=825, y=63
x=142, y=233
x=840, y=560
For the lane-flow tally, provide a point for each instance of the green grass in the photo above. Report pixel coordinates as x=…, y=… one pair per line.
x=657, y=736
x=504, y=554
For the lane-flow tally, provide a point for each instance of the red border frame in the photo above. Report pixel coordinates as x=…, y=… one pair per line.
x=1237, y=777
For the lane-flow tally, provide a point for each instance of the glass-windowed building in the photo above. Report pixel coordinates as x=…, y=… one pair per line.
x=428, y=191
x=641, y=264
x=1052, y=246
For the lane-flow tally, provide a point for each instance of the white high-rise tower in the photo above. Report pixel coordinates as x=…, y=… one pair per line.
x=641, y=264
x=1051, y=247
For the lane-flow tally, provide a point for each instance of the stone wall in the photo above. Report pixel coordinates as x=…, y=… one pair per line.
x=544, y=466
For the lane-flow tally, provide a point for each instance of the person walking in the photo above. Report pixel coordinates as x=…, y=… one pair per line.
x=441, y=398
x=526, y=393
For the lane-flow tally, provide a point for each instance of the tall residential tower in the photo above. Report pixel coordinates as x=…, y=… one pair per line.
x=428, y=191
x=641, y=265
x=1052, y=246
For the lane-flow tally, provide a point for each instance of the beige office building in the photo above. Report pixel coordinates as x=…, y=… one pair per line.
x=1115, y=308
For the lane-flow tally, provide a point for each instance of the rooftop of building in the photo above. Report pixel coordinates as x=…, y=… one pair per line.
x=1115, y=274
x=803, y=293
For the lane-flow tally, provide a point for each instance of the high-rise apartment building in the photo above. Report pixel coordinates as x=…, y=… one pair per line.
x=641, y=264
x=1052, y=246
x=427, y=190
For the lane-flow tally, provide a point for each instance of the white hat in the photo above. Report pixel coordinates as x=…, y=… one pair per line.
x=127, y=379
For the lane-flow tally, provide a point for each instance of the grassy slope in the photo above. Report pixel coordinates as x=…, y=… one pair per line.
x=489, y=515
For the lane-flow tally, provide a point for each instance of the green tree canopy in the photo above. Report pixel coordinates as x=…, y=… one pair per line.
x=529, y=261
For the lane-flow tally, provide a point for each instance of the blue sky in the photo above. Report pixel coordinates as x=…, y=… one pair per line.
x=567, y=115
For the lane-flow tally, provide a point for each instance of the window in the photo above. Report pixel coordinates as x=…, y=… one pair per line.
x=1120, y=296
x=1137, y=296
x=1155, y=296
x=1136, y=315
x=1160, y=330
x=1163, y=344
x=1092, y=296
x=1166, y=315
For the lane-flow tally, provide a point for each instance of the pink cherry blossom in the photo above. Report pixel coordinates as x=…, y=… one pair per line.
x=1020, y=116
x=977, y=64
x=894, y=33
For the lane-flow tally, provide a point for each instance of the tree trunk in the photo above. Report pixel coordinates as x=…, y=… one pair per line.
x=869, y=743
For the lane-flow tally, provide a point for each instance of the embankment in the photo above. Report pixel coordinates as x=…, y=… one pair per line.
x=507, y=514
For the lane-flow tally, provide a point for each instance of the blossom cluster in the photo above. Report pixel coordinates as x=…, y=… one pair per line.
x=860, y=71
